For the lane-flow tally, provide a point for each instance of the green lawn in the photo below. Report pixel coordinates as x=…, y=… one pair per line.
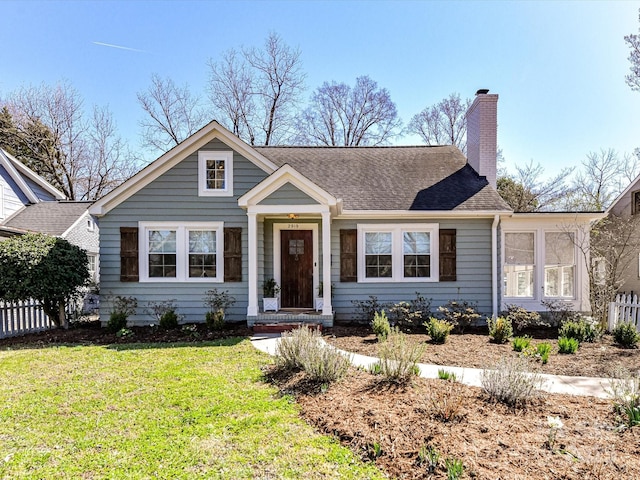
x=156, y=411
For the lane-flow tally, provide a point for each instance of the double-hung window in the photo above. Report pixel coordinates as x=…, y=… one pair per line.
x=185, y=252
x=215, y=173
x=519, y=264
x=559, y=264
x=398, y=253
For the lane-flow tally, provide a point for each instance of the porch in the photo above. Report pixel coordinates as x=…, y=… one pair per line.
x=288, y=319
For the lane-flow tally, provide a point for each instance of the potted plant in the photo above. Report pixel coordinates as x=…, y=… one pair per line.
x=217, y=302
x=270, y=291
x=320, y=298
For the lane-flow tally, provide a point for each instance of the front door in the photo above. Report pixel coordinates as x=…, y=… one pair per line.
x=296, y=276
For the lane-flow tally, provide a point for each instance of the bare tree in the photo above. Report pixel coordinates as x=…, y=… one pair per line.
x=256, y=92
x=341, y=115
x=527, y=191
x=443, y=123
x=633, y=79
x=173, y=113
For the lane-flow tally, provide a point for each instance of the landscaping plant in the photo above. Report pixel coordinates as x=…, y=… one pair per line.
x=446, y=403
x=567, y=345
x=121, y=308
x=164, y=313
x=624, y=391
x=461, y=314
x=626, y=335
x=455, y=468
x=521, y=318
x=511, y=382
x=380, y=325
x=438, y=329
x=520, y=344
x=217, y=302
x=399, y=357
x=323, y=363
x=542, y=351
x=402, y=315
x=582, y=329
x=500, y=329
x=446, y=375
x=293, y=345
x=430, y=457
x=366, y=309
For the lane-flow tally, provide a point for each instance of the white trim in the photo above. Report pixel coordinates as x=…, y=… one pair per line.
x=286, y=209
x=624, y=193
x=277, y=252
x=17, y=169
x=2, y=202
x=203, y=157
x=174, y=156
x=397, y=253
x=494, y=267
x=327, y=308
x=182, y=251
x=252, y=234
x=76, y=222
x=415, y=214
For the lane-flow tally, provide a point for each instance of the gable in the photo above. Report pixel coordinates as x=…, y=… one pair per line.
x=623, y=205
x=288, y=194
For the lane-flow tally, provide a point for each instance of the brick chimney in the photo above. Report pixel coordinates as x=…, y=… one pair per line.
x=482, y=135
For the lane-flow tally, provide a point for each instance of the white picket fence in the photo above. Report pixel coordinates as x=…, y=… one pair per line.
x=625, y=308
x=19, y=318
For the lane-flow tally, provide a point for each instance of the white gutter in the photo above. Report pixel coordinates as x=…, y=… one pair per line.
x=494, y=265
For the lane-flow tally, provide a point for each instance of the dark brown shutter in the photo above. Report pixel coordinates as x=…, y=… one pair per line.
x=447, y=255
x=129, y=254
x=349, y=255
x=233, y=254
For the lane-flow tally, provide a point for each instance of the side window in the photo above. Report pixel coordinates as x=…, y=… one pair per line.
x=519, y=264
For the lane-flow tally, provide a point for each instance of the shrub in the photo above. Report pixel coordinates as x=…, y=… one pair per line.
x=581, y=329
x=520, y=344
x=324, y=364
x=446, y=402
x=624, y=390
x=542, y=351
x=215, y=320
x=438, y=330
x=403, y=315
x=421, y=305
x=446, y=375
x=398, y=357
x=567, y=345
x=521, y=318
x=511, y=382
x=366, y=309
x=117, y=321
x=165, y=313
x=380, y=325
x=559, y=312
x=460, y=314
x=500, y=329
x=626, y=334
x=121, y=308
x=292, y=346
x=169, y=320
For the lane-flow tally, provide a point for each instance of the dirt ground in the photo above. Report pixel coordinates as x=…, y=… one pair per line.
x=389, y=424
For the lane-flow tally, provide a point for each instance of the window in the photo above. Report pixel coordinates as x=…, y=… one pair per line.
x=635, y=202
x=91, y=226
x=215, y=173
x=559, y=264
x=92, y=267
x=398, y=253
x=519, y=264
x=181, y=252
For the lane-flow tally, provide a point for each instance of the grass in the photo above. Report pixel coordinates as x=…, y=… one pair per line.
x=156, y=411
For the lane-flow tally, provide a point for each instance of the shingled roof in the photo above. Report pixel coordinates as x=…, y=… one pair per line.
x=393, y=178
x=53, y=218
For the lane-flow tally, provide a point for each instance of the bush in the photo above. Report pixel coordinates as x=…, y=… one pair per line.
x=399, y=358
x=511, y=382
x=292, y=346
x=520, y=344
x=626, y=334
x=403, y=315
x=568, y=345
x=542, y=351
x=215, y=320
x=323, y=363
x=366, y=309
x=117, y=321
x=169, y=320
x=421, y=305
x=581, y=329
x=500, y=329
x=446, y=402
x=460, y=314
x=559, y=311
x=438, y=330
x=624, y=390
x=380, y=325
x=521, y=318
x=121, y=308
x=164, y=313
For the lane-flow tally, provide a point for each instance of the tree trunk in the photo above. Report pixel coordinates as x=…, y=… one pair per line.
x=62, y=317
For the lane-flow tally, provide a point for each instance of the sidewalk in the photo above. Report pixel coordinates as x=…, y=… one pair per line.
x=584, y=386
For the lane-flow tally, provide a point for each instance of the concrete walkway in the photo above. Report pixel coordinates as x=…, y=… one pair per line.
x=585, y=386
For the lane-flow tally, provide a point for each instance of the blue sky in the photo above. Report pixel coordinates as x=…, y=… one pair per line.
x=558, y=67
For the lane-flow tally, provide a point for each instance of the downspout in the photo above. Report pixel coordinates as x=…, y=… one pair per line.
x=494, y=266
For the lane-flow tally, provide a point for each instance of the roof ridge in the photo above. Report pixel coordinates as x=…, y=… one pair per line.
x=345, y=147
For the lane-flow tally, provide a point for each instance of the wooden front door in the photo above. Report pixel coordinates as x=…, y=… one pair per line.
x=296, y=276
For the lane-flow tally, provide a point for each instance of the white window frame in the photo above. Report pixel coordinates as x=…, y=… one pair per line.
x=560, y=267
x=533, y=272
x=203, y=157
x=397, y=252
x=92, y=273
x=182, y=250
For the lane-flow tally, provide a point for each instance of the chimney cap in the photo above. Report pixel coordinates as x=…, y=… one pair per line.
x=482, y=91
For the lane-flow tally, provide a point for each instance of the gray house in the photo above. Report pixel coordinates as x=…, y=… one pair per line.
x=215, y=212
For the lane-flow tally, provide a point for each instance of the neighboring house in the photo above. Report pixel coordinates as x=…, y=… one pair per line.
x=215, y=212
x=28, y=203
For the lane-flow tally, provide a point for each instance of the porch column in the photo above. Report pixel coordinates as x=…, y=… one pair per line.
x=252, y=233
x=327, y=308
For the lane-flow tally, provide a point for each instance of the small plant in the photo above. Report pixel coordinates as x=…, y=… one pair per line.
x=366, y=309
x=555, y=424
x=430, y=457
x=559, y=312
x=165, y=313
x=399, y=358
x=438, y=330
x=375, y=369
x=511, y=382
x=542, y=351
x=521, y=318
x=324, y=364
x=122, y=307
x=567, y=345
x=293, y=345
x=375, y=451
x=380, y=325
x=624, y=390
x=581, y=329
x=124, y=332
x=461, y=314
x=217, y=302
x=446, y=403
x=455, y=468
x=500, y=329
x=403, y=316
x=626, y=335
x=270, y=288
x=521, y=344
x=421, y=305
x=447, y=375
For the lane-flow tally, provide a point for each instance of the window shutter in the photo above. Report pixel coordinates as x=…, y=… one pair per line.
x=129, y=254
x=233, y=254
x=349, y=255
x=447, y=255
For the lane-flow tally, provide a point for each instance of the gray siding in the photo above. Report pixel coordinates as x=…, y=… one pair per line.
x=12, y=198
x=41, y=193
x=174, y=196
x=288, y=195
